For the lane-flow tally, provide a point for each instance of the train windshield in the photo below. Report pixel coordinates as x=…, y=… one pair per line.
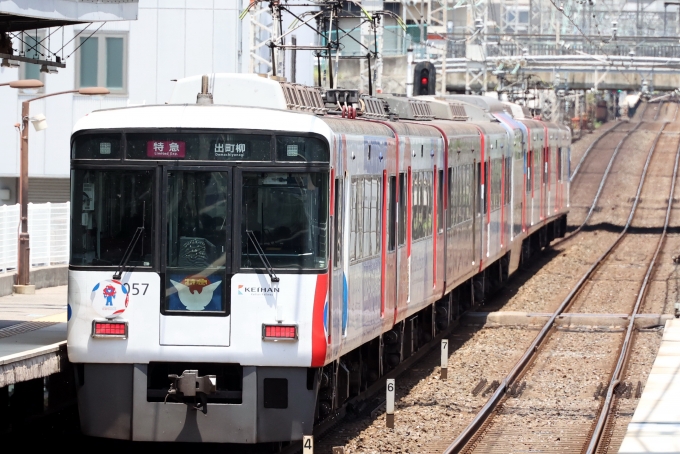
x=287, y=215
x=198, y=222
x=108, y=207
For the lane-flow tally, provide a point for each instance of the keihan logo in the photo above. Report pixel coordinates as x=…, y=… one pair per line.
x=257, y=291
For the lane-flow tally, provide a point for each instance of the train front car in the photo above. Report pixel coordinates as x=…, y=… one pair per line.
x=198, y=279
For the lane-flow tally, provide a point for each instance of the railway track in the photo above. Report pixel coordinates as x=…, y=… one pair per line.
x=332, y=432
x=554, y=410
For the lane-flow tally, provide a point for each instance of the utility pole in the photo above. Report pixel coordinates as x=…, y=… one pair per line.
x=445, y=8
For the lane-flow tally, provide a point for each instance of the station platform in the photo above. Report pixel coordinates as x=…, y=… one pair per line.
x=32, y=335
x=655, y=426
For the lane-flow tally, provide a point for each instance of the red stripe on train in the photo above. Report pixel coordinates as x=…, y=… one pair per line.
x=318, y=332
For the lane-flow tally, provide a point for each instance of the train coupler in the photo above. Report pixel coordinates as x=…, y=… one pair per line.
x=192, y=389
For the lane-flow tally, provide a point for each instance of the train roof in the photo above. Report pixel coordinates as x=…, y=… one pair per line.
x=202, y=117
x=487, y=103
x=450, y=109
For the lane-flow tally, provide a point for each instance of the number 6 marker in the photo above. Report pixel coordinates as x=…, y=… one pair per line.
x=389, y=405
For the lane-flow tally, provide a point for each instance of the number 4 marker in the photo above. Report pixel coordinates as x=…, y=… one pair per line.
x=308, y=444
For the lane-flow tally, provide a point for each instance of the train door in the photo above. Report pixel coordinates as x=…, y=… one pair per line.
x=517, y=177
x=559, y=184
x=526, y=193
x=536, y=178
x=480, y=198
x=476, y=220
x=390, y=245
x=545, y=183
x=441, y=229
x=482, y=183
x=197, y=213
x=339, y=291
x=403, y=242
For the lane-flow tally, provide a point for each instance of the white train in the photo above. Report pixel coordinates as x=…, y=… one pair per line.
x=247, y=254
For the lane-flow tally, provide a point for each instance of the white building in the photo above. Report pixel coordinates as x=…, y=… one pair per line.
x=137, y=60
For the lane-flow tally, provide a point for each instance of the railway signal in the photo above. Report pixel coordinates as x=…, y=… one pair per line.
x=424, y=79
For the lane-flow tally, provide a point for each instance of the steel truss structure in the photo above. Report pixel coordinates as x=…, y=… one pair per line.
x=323, y=17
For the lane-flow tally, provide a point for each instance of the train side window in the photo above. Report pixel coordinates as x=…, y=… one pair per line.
x=401, y=228
x=391, y=213
x=376, y=214
x=468, y=190
x=338, y=220
x=456, y=196
x=466, y=181
x=480, y=187
x=537, y=169
x=360, y=218
x=440, y=201
x=487, y=185
x=508, y=181
x=366, y=250
x=415, y=210
x=353, y=219
x=449, y=216
x=559, y=164
x=430, y=203
x=529, y=170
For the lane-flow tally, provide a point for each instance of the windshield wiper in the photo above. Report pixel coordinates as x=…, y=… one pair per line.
x=263, y=257
x=131, y=247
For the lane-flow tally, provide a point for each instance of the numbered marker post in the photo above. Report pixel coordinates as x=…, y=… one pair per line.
x=389, y=405
x=307, y=444
x=445, y=357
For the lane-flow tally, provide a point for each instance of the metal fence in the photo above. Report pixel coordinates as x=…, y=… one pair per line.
x=48, y=227
x=523, y=47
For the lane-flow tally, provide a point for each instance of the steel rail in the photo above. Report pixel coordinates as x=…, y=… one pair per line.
x=471, y=430
x=605, y=176
x=627, y=344
x=658, y=111
x=592, y=145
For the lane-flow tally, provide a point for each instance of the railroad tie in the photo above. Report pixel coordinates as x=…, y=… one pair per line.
x=599, y=391
x=492, y=387
x=480, y=386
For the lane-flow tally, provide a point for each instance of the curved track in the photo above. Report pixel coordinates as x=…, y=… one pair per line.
x=539, y=362
x=413, y=378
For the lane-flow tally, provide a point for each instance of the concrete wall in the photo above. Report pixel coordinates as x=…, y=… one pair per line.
x=11, y=185
x=49, y=276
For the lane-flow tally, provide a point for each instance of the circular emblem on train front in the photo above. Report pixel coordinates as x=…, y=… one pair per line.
x=109, y=298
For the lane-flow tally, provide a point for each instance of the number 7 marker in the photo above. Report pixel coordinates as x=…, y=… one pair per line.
x=445, y=358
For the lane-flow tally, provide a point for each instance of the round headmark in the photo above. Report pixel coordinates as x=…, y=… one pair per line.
x=109, y=298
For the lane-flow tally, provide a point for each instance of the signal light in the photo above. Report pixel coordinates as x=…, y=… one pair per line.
x=110, y=330
x=279, y=332
x=424, y=79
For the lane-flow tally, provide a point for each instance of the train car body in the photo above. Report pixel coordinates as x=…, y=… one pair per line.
x=264, y=262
